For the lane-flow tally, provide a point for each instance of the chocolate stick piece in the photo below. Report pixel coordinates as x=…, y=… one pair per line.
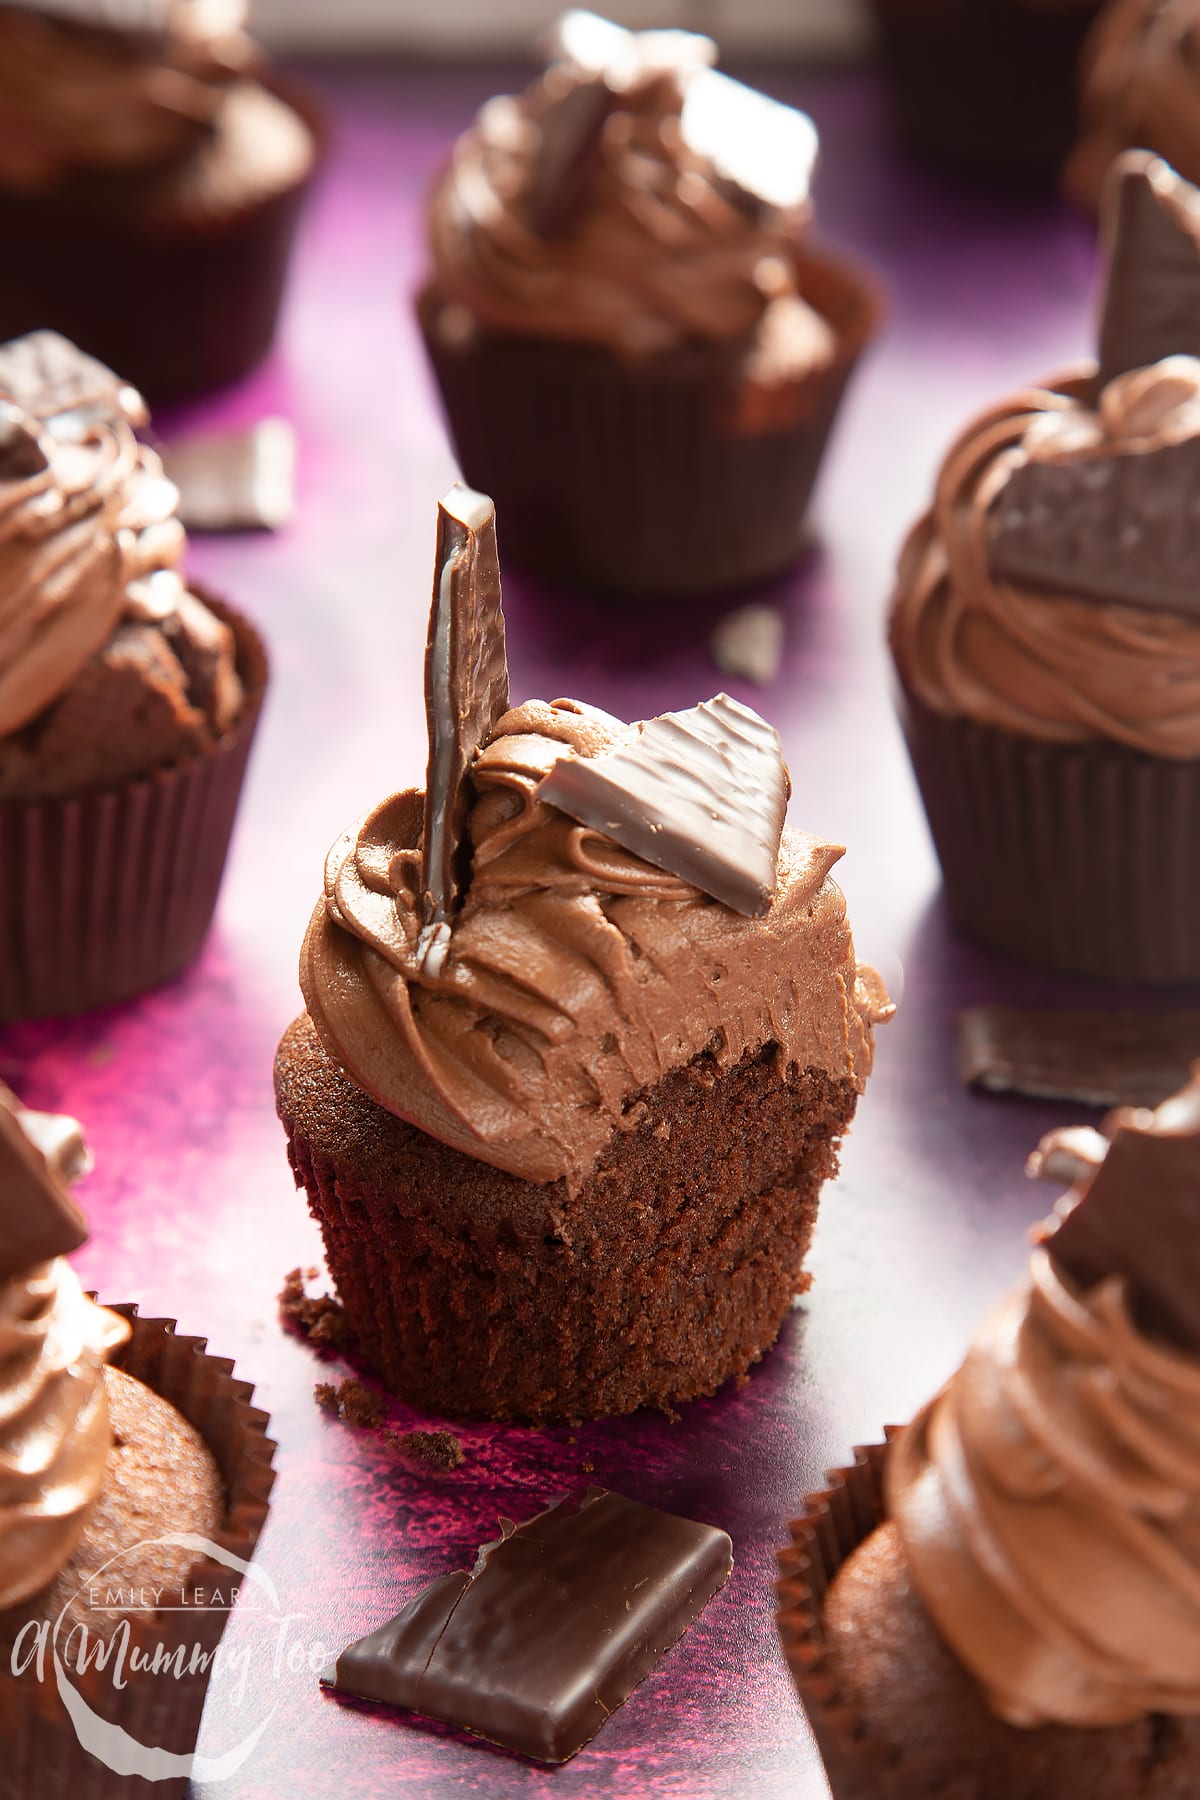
x=1102, y=1058
x=569, y=153
x=466, y=691
x=700, y=794
x=552, y=1630
x=39, y=1154
x=1151, y=305
x=1139, y=1218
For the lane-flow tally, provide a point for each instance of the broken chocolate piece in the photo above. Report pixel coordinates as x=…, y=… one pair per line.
x=1151, y=305
x=466, y=691
x=1100, y=1058
x=568, y=155
x=235, y=480
x=46, y=376
x=1139, y=1218
x=700, y=794
x=39, y=1154
x=1106, y=527
x=749, y=642
x=766, y=150
x=551, y=1631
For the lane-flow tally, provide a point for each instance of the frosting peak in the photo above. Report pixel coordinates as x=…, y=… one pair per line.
x=1048, y=1500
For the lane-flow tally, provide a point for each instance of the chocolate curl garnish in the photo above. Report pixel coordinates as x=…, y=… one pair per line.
x=552, y=1629
x=1138, y=1218
x=700, y=794
x=466, y=691
x=46, y=376
x=1151, y=305
x=39, y=1154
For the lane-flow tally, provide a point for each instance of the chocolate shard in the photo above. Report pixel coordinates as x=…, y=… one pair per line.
x=700, y=794
x=1151, y=305
x=596, y=46
x=39, y=1154
x=1117, y=527
x=46, y=376
x=551, y=1631
x=240, y=480
x=1101, y=1058
x=568, y=155
x=765, y=150
x=466, y=691
x=1138, y=1218
x=21, y=454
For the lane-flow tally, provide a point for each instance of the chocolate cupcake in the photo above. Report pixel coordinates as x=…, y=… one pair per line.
x=122, y=1445
x=1046, y=631
x=582, y=1035
x=128, y=699
x=1140, y=89
x=151, y=176
x=640, y=350
x=1004, y=1601
x=986, y=88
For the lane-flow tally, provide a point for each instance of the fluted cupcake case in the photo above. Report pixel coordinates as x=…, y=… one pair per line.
x=107, y=894
x=642, y=476
x=42, y=1754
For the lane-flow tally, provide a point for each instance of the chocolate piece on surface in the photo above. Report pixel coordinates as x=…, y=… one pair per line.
x=45, y=376
x=1101, y=1058
x=749, y=642
x=700, y=794
x=39, y=1154
x=551, y=1631
x=466, y=691
x=242, y=480
x=1109, y=528
x=1138, y=1218
x=1151, y=305
x=571, y=129
x=766, y=150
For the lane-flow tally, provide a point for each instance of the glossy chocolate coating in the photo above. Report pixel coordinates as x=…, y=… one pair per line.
x=552, y=1630
x=700, y=794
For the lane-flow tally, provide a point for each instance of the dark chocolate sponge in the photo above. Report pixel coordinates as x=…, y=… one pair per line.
x=477, y=1294
x=923, y=1727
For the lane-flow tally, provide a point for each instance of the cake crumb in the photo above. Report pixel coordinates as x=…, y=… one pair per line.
x=350, y=1400
x=326, y=1396
x=433, y=1449
x=320, y=1320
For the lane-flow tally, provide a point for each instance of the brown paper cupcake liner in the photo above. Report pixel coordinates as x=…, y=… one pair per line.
x=175, y=305
x=111, y=893
x=1083, y=860
x=43, y=1756
x=986, y=88
x=834, y=1523
x=670, y=476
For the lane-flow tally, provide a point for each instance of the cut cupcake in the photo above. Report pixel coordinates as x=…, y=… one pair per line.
x=128, y=698
x=1004, y=1601
x=127, y=1453
x=151, y=176
x=1046, y=630
x=583, y=1032
x=640, y=351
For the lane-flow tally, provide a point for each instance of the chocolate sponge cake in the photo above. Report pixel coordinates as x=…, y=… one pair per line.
x=583, y=1031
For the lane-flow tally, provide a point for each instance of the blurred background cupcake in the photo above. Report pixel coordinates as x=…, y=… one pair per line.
x=639, y=348
x=151, y=175
x=128, y=699
x=986, y=88
x=1140, y=89
x=1046, y=631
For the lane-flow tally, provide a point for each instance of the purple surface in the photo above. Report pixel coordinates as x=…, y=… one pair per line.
x=192, y=1204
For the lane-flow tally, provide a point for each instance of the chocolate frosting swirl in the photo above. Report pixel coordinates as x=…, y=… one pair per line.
x=55, y=1435
x=76, y=96
x=1048, y=1500
x=1049, y=666
x=576, y=973
x=88, y=534
x=1140, y=88
x=659, y=249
